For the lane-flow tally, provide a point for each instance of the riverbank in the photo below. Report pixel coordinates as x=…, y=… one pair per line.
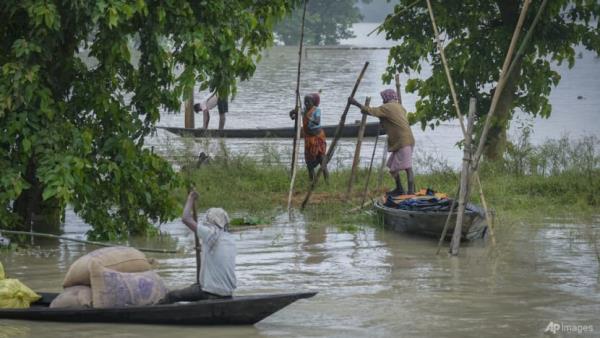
x=557, y=178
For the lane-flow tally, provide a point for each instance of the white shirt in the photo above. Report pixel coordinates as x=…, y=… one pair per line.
x=210, y=103
x=217, y=273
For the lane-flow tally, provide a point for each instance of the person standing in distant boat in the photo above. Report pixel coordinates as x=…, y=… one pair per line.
x=213, y=101
x=401, y=141
x=315, y=142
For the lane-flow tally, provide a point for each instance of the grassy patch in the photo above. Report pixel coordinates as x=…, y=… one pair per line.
x=516, y=187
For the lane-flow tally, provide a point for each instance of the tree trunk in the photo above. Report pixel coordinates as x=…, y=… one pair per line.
x=37, y=214
x=496, y=142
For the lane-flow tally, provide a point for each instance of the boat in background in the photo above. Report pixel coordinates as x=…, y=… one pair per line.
x=238, y=310
x=350, y=130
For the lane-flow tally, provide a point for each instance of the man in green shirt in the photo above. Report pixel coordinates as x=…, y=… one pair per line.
x=400, y=138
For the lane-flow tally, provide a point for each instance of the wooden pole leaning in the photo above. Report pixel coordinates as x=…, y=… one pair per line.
x=338, y=133
x=197, y=247
x=398, y=92
x=501, y=84
x=366, y=191
x=359, y=139
x=297, y=110
x=382, y=166
x=465, y=178
x=488, y=216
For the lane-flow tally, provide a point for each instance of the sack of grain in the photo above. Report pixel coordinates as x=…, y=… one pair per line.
x=119, y=258
x=111, y=288
x=78, y=296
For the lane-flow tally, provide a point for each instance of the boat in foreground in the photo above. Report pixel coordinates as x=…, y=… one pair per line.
x=431, y=223
x=239, y=310
x=350, y=130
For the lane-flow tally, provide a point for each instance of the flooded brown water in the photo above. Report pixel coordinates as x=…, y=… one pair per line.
x=371, y=283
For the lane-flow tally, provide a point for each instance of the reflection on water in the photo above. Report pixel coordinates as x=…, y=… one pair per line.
x=371, y=282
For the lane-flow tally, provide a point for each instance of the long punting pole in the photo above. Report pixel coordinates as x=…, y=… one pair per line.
x=197, y=247
x=366, y=191
x=359, y=139
x=338, y=133
x=297, y=109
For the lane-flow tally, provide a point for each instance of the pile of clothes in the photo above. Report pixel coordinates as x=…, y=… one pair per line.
x=423, y=200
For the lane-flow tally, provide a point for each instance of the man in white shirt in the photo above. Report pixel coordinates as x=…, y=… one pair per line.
x=213, y=101
x=217, y=271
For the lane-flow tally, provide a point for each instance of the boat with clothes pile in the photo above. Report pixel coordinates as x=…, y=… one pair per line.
x=425, y=213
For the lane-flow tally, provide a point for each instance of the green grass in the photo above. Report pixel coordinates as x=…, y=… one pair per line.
x=556, y=178
x=247, y=187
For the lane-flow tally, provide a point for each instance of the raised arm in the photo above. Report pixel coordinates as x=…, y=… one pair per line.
x=188, y=218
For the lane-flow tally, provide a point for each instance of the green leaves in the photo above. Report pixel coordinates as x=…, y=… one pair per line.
x=326, y=22
x=476, y=37
x=82, y=84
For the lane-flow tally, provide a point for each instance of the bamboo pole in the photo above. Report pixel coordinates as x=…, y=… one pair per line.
x=382, y=166
x=338, y=132
x=40, y=234
x=501, y=83
x=440, y=48
x=359, y=140
x=397, y=79
x=447, y=223
x=464, y=180
x=527, y=37
x=451, y=85
x=488, y=216
x=297, y=109
x=197, y=247
x=366, y=191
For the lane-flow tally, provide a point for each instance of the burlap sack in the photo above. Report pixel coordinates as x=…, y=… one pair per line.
x=111, y=288
x=119, y=258
x=78, y=296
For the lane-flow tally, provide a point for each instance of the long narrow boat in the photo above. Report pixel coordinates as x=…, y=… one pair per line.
x=350, y=130
x=239, y=310
x=431, y=223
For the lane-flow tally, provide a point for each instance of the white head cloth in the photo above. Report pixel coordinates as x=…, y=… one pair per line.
x=218, y=217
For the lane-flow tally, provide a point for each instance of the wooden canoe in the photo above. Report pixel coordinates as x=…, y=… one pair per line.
x=350, y=130
x=239, y=310
x=431, y=223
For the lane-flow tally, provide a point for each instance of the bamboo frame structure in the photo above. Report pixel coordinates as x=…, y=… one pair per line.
x=499, y=88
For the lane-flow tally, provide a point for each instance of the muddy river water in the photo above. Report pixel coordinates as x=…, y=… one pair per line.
x=370, y=282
